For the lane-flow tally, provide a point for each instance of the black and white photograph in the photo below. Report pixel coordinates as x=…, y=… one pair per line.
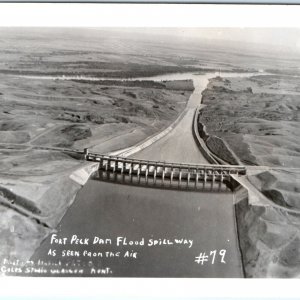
x=150, y=152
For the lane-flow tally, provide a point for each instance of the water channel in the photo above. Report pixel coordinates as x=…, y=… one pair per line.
x=109, y=211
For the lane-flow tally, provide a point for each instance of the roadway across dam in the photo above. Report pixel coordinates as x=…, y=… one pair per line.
x=108, y=210
x=153, y=173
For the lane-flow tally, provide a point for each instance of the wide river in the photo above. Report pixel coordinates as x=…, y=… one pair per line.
x=175, y=233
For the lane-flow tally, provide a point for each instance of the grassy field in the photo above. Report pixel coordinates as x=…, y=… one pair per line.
x=260, y=112
x=258, y=117
x=103, y=116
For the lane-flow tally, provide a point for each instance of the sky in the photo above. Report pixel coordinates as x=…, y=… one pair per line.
x=282, y=38
x=279, y=22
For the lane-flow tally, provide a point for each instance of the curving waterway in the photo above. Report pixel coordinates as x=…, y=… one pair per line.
x=179, y=145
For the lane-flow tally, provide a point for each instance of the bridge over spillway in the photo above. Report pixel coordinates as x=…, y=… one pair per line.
x=163, y=173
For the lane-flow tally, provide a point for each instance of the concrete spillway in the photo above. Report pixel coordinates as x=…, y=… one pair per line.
x=111, y=210
x=179, y=144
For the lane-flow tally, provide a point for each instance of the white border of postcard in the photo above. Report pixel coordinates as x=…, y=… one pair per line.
x=147, y=15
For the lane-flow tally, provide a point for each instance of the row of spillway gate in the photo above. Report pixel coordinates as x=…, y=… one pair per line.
x=163, y=172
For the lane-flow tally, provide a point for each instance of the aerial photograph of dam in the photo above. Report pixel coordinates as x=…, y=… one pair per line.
x=150, y=152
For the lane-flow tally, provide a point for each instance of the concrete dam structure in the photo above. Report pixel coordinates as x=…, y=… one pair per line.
x=162, y=173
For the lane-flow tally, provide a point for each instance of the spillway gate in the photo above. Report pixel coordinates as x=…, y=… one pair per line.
x=165, y=171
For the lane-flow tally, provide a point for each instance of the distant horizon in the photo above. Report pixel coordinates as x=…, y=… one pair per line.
x=284, y=39
x=252, y=39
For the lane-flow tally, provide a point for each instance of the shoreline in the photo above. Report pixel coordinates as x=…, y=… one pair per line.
x=103, y=76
